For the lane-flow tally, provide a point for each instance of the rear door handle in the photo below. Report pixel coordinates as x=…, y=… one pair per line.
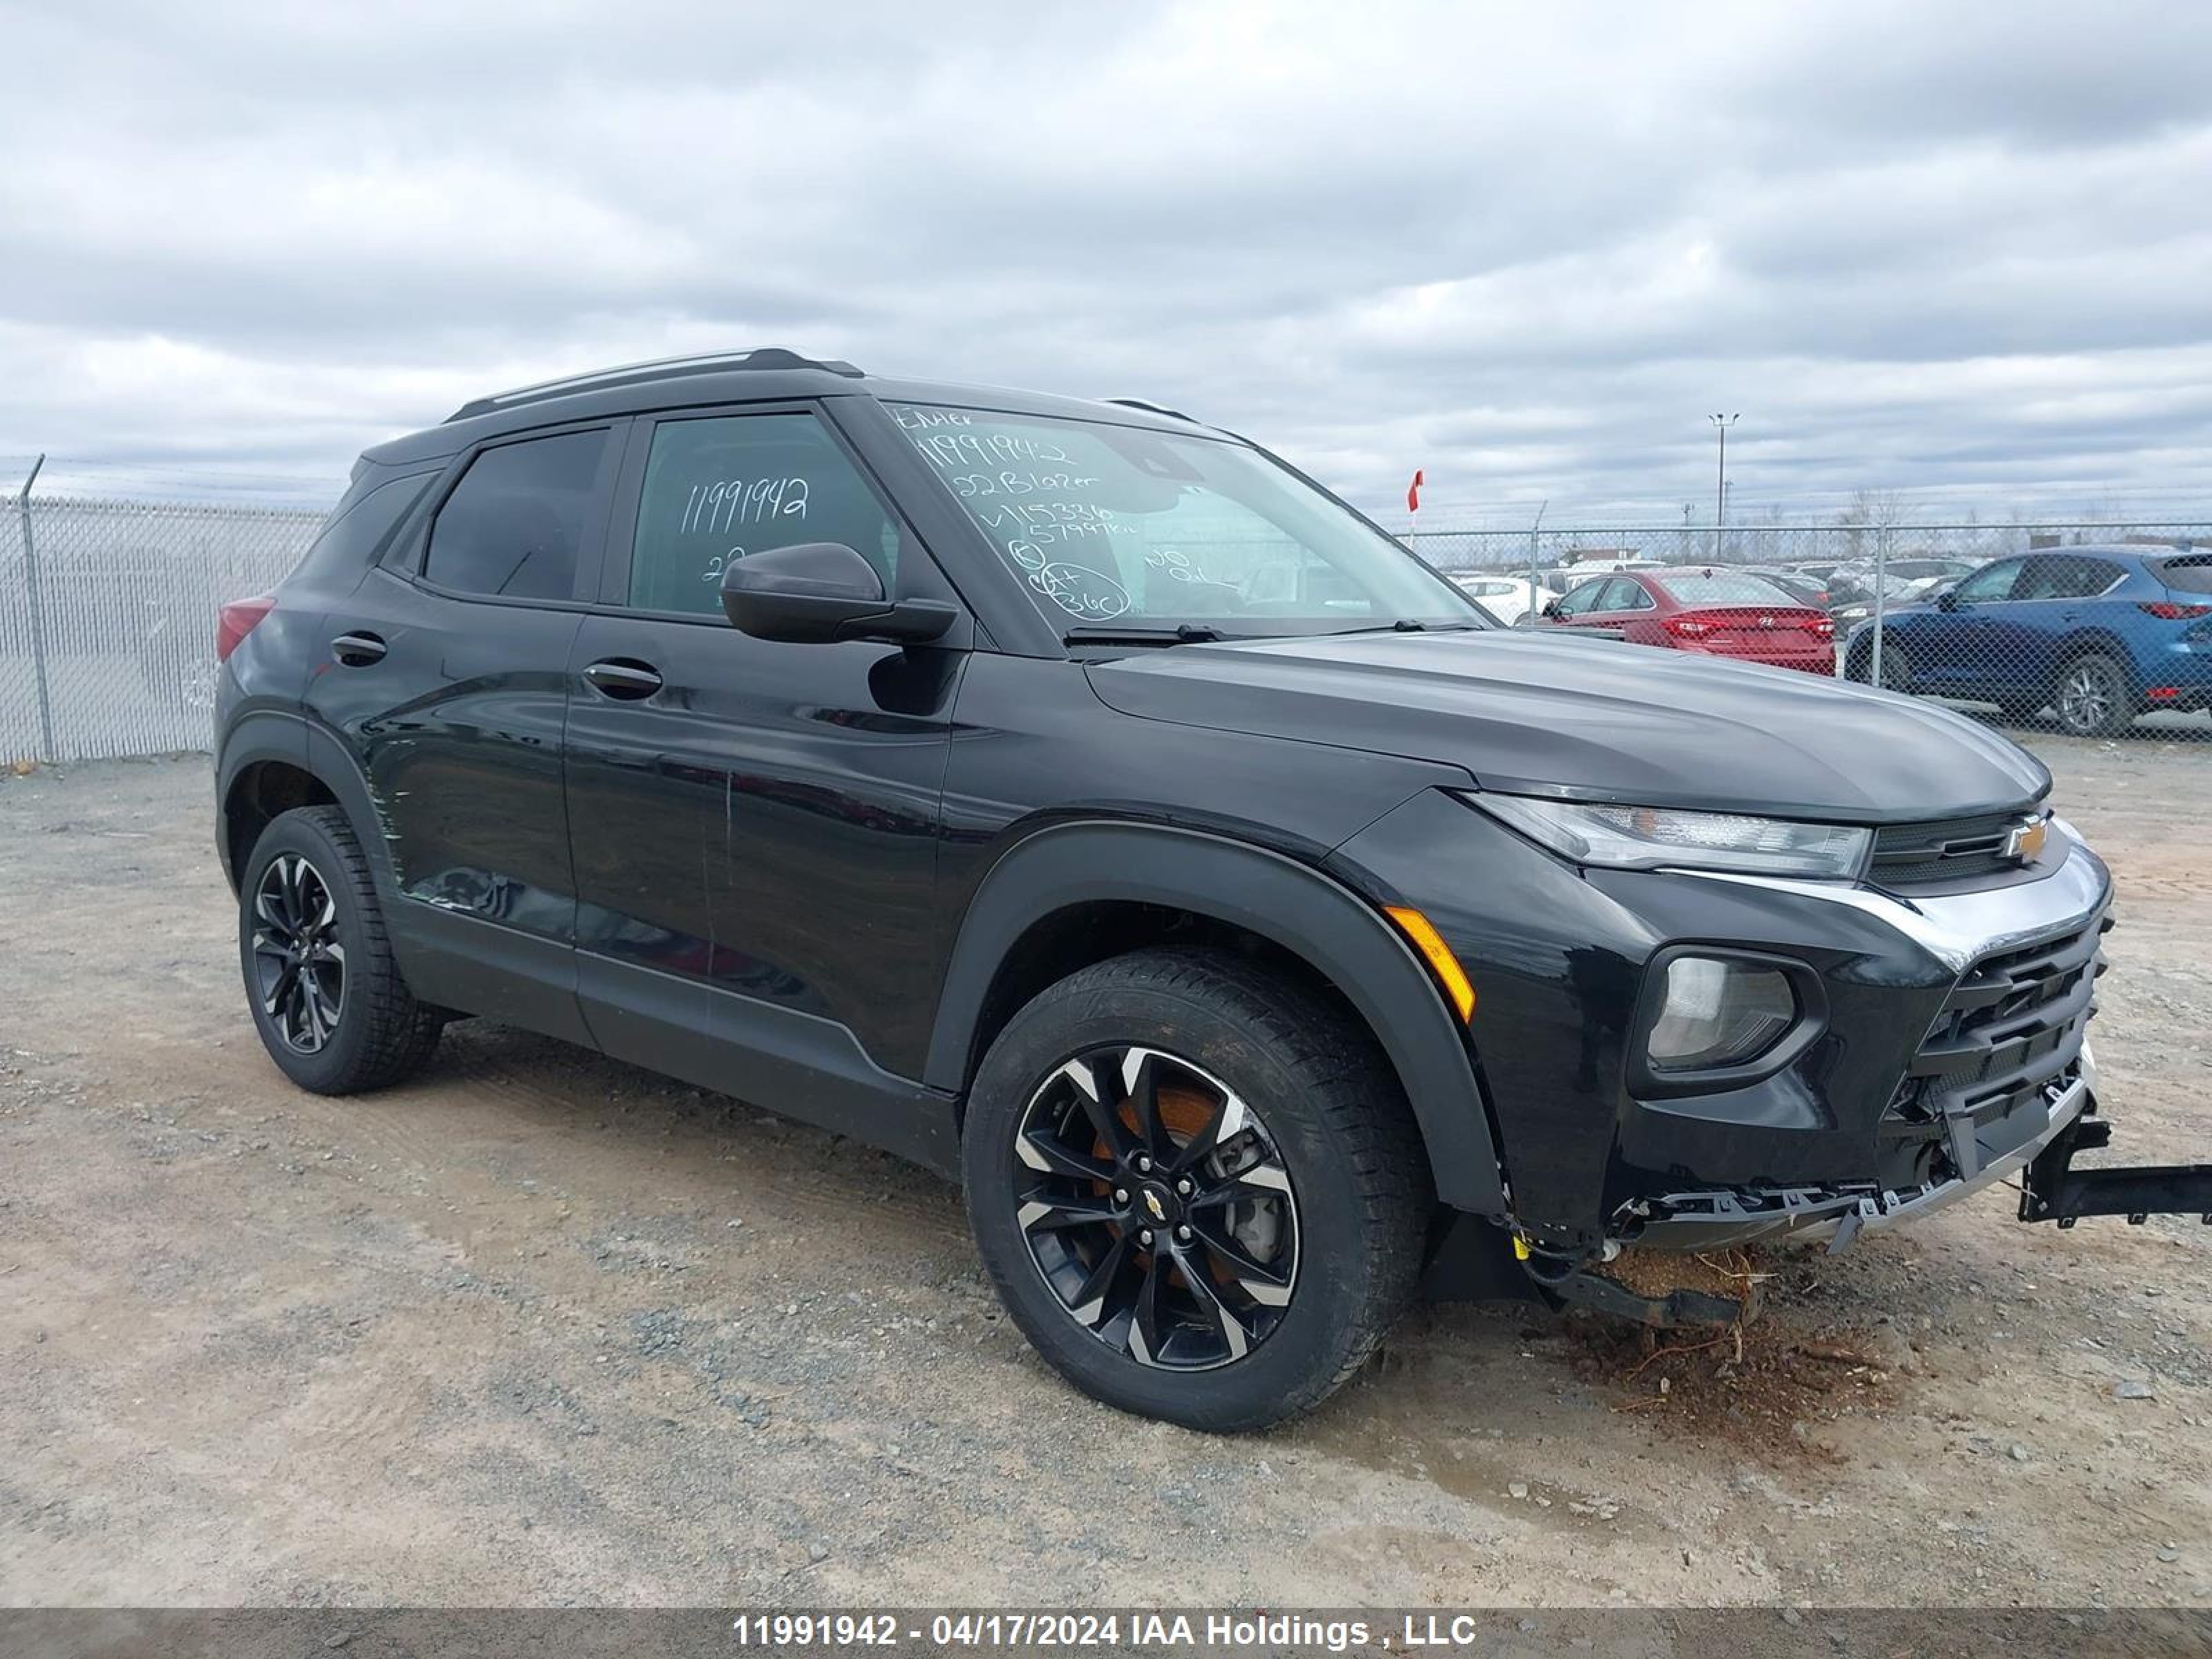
x=357, y=650
x=620, y=677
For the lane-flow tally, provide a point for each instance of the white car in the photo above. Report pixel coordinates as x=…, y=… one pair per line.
x=1509, y=599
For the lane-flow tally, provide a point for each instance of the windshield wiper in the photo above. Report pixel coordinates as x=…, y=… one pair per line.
x=1412, y=625
x=1138, y=633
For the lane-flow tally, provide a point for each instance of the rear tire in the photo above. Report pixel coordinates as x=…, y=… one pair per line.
x=2091, y=698
x=1318, y=1189
x=326, y=992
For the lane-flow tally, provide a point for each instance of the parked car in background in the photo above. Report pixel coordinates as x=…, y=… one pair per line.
x=1805, y=589
x=1820, y=570
x=2098, y=635
x=1715, y=612
x=1849, y=612
x=1915, y=568
x=1509, y=599
x=1899, y=579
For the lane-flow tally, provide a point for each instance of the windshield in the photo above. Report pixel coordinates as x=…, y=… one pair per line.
x=1119, y=524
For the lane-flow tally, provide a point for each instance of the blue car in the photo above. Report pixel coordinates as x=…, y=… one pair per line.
x=2098, y=634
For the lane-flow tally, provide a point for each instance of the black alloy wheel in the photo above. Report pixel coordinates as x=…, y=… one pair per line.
x=298, y=961
x=1196, y=1185
x=328, y=999
x=1156, y=1208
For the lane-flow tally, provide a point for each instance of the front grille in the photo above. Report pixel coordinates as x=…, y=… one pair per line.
x=1944, y=849
x=2011, y=1028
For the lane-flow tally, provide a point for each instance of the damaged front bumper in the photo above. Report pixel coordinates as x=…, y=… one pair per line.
x=1940, y=1047
x=1837, y=1214
x=2004, y=1085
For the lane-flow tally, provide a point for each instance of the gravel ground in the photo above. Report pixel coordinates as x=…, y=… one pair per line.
x=541, y=1328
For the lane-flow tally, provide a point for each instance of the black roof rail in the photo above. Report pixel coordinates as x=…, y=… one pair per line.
x=1151, y=408
x=660, y=368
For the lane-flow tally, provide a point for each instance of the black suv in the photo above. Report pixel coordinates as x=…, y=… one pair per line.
x=1084, y=804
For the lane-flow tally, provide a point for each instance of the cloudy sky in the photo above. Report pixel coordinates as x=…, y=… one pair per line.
x=1962, y=250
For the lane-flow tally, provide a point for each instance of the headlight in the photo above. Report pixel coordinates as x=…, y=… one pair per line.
x=1660, y=837
x=1717, y=1013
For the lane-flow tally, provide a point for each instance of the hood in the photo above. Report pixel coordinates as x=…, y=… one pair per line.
x=1593, y=720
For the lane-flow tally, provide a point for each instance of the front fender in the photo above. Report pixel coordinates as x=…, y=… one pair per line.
x=1338, y=934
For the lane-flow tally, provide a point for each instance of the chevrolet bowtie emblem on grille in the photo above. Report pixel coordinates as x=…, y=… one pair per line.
x=2025, y=844
x=1152, y=1203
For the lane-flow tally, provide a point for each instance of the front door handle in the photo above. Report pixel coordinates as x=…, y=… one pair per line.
x=357, y=650
x=619, y=676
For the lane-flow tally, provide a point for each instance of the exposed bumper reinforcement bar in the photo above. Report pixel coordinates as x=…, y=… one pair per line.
x=2055, y=1191
x=1871, y=1214
x=1700, y=1220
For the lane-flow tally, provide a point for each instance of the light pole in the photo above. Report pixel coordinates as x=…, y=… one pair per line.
x=1721, y=424
x=1535, y=531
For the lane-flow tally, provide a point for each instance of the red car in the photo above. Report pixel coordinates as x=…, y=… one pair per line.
x=1721, y=613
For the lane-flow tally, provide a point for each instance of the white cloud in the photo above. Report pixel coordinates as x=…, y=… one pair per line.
x=1524, y=250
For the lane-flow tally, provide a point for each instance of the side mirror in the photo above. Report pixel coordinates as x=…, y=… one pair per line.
x=1947, y=600
x=819, y=593
x=1551, y=610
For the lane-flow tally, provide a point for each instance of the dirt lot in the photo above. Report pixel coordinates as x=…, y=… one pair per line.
x=542, y=1328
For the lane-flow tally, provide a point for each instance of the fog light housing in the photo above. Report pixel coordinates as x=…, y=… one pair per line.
x=1715, y=1013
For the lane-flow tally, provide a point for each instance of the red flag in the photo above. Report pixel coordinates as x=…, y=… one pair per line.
x=1413, y=493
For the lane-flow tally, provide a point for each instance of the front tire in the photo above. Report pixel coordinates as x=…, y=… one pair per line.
x=1196, y=1186
x=1896, y=668
x=326, y=992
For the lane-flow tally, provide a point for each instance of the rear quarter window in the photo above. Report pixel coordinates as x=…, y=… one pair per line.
x=359, y=532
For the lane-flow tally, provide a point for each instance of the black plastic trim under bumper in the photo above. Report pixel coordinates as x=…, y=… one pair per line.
x=2052, y=1190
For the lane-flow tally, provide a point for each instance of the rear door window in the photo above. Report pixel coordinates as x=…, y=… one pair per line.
x=515, y=525
x=1622, y=594
x=2090, y=577
x=2044, y=579
x=720, y=489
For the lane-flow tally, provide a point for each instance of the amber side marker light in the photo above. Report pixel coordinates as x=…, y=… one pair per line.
x=1430, y=944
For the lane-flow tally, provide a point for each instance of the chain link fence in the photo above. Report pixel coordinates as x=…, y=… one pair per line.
x=2095, y=630
x=107, y=617
x=107, y=610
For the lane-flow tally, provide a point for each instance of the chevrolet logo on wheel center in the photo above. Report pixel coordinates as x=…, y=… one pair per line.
x=1258, y=919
